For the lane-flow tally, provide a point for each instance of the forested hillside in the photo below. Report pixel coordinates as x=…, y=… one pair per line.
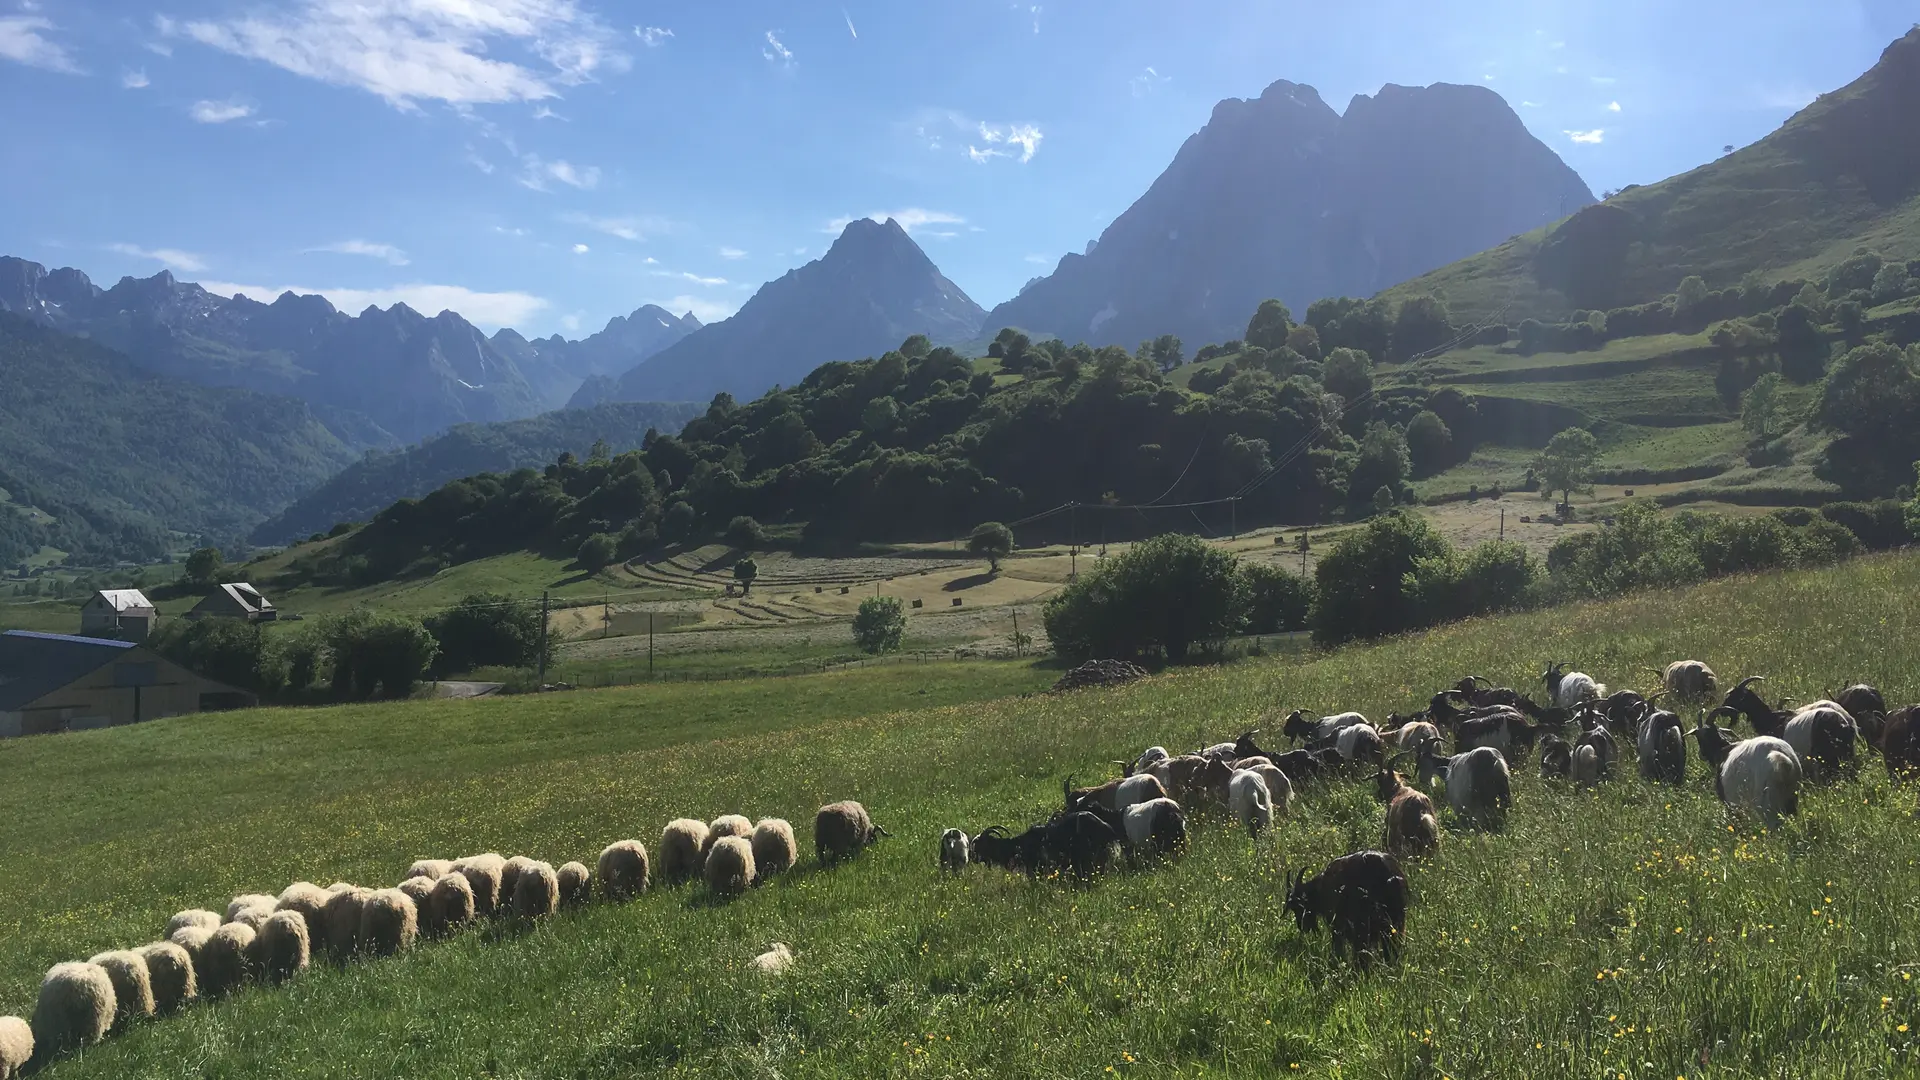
x=123, y=458
x=380, y=479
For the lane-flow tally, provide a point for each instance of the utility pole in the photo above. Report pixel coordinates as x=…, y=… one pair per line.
x=1503, y=523
x=545, y=610
x=649, y=646
x=1016, y=635
x=1233, y=504
x=606, y=614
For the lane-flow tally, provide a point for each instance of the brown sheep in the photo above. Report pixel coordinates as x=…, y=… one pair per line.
x=841, y=829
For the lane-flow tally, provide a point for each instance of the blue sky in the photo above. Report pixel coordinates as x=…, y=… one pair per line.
x=547, y=164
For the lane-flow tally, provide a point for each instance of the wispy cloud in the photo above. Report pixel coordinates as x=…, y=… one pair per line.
x=535, y=173
x=1529, y=104
x=682, y=275
x=850, y=29
x=219, y=112
x=1002, y=140
x=581, y=249
x=910, y=219
x=386, y=253
x=409, y=51
x=1147, y=82
x=704, y=309
x=492, y=309
x=1613, y=106
x=23, y=40
x=634, y=229
x=1038, y=260
x=1034, y=10
x=158, y=48
x=776, y=52
x=732, y=253
x=135, y=80
x=1603, y=80
x=173, y=258
x=1593, y=137
x=652, y=35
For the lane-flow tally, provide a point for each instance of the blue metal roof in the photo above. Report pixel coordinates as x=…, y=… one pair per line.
x=33, y=665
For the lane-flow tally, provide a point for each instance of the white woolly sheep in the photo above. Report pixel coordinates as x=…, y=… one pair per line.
x=841, y=829
x=510, y=872
x=623, y=866
x=388, y=922
x=1690, y=681
x=75, y=1009
x=282, y=948
x=1567, y=689
x=955, y=850
x=576, y=884
x=536, y=891
x=683, y=844
x=774, y=848
x=1251, y=801
x=1410, y=735
x=340, y=887
x=729, y=869
x=726, y=825
x=342, y=919
x=208, y=920
x=226, y=961
x=193, y=939
x=16, y=1046
x=431, y=869
x=132, y=986
x=774, y=961
x=170, y=973
x=420, y=890
x=484, y=873
x=310, y=901
x=244, y=903
x=451, y=903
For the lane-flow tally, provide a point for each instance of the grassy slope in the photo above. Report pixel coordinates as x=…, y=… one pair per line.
x=1598, y=932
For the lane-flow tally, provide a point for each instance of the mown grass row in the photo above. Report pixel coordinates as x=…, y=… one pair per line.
x=1621, y=931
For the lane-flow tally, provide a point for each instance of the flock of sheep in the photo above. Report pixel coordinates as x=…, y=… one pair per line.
x=1581, y=734
x=271, y=939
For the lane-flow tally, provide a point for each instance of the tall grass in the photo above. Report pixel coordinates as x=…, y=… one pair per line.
x=1633, y=930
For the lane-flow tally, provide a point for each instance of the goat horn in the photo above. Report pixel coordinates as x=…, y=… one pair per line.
x=1748, y=681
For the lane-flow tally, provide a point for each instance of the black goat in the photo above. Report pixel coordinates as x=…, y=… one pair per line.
x=1081, y=841
x=1899, y=742
x=1861, y=701
x=1746, y=701
x=1302, y=766
x=1556, y=758
x=995, y=848
x=1363, y=897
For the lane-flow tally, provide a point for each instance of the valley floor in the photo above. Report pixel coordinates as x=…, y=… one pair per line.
x=1632, y=930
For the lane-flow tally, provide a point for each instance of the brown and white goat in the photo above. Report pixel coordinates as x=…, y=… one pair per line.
x=1412, y=827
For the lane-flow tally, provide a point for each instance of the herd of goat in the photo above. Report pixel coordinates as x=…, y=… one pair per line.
x=1580, y=733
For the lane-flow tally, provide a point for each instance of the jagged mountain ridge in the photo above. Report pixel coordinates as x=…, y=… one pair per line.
x=1280, y=196
x=873, y=289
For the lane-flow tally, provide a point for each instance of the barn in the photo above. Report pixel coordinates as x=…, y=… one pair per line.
x=55, y=682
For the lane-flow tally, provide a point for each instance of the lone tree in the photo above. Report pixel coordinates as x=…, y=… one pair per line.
x=203, y=566
x=880, y=624
x=1566, y=465
x=992, y=539
x=597, y=552
x=744, y=572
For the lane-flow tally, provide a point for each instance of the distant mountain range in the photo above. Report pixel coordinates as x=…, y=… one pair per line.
x=381, y=378
x=378, y=480
x=873, y=289
x=1282, y=197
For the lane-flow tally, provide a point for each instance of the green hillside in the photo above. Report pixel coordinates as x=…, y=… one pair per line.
x=1842, y=174
x=1632, y=928
x=381, y=479
x=129, y=458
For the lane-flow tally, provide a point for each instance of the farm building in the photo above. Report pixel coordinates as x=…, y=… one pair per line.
x=235, y=600
x=53, y=682
x=125, y=614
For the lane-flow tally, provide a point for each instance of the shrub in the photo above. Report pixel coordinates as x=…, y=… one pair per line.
x=202, y=567
x=231, y=651
x=1277, y=601
x=679, y=521
x=1358, y=586
x=745, y=533
x=487, y=630
x=1498, y=575
x=1158, y=599
x=377, y=652
x=1429, y=443
x=880, y=624
x=1639, y=550
x=597, y=552
x=1879, y=526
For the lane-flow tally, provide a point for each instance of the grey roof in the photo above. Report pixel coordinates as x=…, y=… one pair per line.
x=33, y=665
x=124, y=599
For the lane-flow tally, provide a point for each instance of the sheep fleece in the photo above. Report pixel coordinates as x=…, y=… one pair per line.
x=132, y=987
x=170, y=970
x=729, y=867
x=388, y=922
x=774, y=848
x=682, y=844
x=623, y=869
x=16, y=1046
x=76, y=1007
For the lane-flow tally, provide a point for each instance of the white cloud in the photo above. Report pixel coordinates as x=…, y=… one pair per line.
x=1529, y=104
x=1035, y=12
x=1147, y=82
x=535, y=173
x=1486, y=78
x=799, y=251
x=219, y=112
x=651, y=261
x=409, y=51
x=581, y=249
x=159, y=48
x=776, y=52
x=683, y=275
x=504, y=231
x=22, y=40
x=1604, y=80
x=1001, y=142
x=571, y=322
x=386, y=253
x=850, y=29
x=911, y=218
x=1595, y=136
x=732, y=253
x=542, y=112
x=171, y=257
x=1613, y=106
x=1038, y=260
x=634, y=229
x=135, y=80
x=705, y=310
x=483, y=308
x=652, y=35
